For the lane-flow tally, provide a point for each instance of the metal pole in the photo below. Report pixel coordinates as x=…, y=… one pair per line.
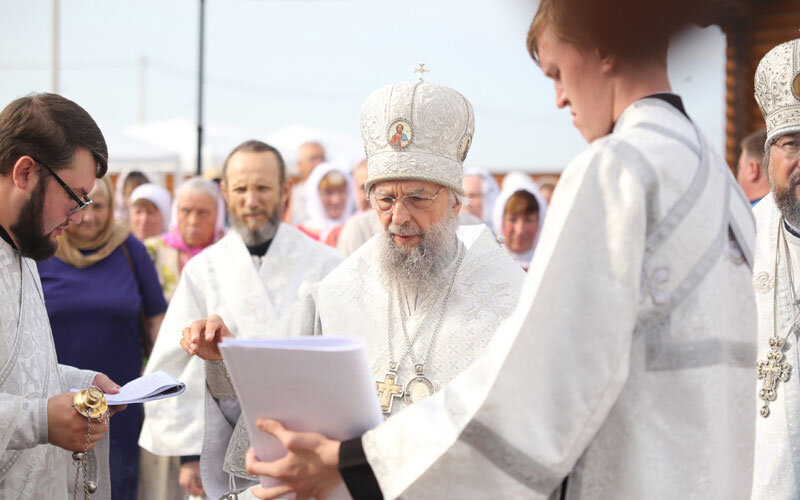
x=54, y=75
x=200, y=90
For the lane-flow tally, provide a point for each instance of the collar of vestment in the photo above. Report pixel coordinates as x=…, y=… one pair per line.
x=7, y=237
x=259, y=250
x=672, y=99
x=791, y=229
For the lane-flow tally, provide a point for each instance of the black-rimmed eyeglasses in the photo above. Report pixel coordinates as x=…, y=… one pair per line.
x=83, y=202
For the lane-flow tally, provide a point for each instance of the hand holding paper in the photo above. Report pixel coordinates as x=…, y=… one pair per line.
x=310, y=466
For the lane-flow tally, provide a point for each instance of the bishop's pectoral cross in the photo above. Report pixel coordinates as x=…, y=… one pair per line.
x=772, y=371
x=388, y=389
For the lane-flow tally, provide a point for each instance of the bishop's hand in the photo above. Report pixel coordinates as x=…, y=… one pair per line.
x=201, y=338
x=310, y=468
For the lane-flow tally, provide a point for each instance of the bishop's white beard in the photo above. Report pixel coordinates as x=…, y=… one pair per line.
x=422, y=267
x=786, y=200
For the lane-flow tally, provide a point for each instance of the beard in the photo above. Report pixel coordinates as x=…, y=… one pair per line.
x=787, y=201
x=254, y=237
x=421, y=267
x=28, y=229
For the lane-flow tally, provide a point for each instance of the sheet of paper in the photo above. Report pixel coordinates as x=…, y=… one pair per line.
x=156, y=385
x=318, y=384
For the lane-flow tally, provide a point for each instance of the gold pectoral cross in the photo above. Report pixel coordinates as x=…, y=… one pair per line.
x=772, y=371
x=389, y=389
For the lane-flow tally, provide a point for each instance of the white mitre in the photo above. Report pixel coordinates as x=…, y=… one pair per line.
x=417, y=131
x=777, y=90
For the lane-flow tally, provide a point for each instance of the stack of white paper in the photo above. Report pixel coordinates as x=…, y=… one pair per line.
x=311, y=384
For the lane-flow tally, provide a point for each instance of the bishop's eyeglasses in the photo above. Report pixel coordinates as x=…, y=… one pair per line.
x=83, y=202
x=414, y=202
x=790, y=144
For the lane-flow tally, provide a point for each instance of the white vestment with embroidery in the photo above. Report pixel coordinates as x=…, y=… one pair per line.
x=628, y=364
x=30, y=468
x=223, y=279
x=352, y=301
x=777, y=461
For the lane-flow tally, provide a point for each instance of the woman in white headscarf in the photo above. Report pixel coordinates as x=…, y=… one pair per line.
x=518, y=216
x=149, y=211
x=198, y=220
x=329, y=202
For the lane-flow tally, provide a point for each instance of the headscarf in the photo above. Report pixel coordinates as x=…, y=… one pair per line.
x=157, y=195
x=120, y=210
x=174, y=238
x=524, y=258
x=113, y=234
x=318, y=219
x=490, y=189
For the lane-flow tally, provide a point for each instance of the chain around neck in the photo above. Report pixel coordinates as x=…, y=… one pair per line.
x=408, y=341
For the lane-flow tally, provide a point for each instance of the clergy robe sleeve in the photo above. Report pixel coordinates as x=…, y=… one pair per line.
x=27, y=418
x=519, y=418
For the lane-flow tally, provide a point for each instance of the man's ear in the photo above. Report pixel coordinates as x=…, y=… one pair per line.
x=457, y=206
x=609, y=61
x=223, y=188
x=754, y=173
x=24, y=173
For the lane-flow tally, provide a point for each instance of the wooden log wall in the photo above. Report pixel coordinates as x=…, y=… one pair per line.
x=763, y=25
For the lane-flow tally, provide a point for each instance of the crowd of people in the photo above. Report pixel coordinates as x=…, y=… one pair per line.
x=625, y=331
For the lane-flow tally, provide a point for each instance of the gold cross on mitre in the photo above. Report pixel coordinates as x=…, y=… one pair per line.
x=421, y=70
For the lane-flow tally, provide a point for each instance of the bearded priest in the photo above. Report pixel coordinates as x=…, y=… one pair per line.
x=252, y=276
x=424, y=295
x=775, y=278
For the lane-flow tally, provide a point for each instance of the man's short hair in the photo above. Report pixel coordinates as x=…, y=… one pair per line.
x=753, y=144
x=633, y=29
x=49, y=128
x=254, y=146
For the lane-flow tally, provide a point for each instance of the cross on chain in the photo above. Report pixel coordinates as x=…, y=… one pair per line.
x=389, y=390
x=421, y=69
x=772, y=371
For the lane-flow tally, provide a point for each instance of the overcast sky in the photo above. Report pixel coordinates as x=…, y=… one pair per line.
x=274, y=63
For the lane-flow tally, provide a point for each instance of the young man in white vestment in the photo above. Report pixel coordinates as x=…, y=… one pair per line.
x=424, y=295
x=252, y=276
x=627, y=367
x=51, y=151
x=775, y=279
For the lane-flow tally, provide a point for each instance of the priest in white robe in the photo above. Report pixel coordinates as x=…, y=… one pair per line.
x=776, y=279
x=627, y=367
x=424, y=295
x=39, y=428
x=252, y=276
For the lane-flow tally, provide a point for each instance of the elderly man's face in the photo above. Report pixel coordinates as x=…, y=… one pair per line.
x=473, y=188
x=197, y=214
x=784, y=175
x=405, y=223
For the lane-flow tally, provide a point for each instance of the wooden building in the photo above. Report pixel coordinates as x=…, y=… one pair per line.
x=752, y=28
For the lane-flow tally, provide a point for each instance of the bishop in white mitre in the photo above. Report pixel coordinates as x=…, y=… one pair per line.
x=626, y=370
x=776, y=279
x=252, y=276
x=424, y=294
